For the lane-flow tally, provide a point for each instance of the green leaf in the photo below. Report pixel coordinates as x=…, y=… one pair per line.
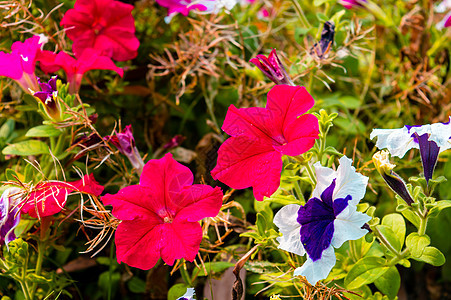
x=215, y=267
x=136, y=285
x=32, y=277
x=365, y=271
x=390, y=236
x=432, y=256
x=397, y=224
x=7, y=128
x=11, y=175
x=390, y=283
x=439, y=206
x=261, y=224
x=299, y=34
x=350, y=102
x=43, y=131
x=283, y=199
x=417, y=243
x=177, y=291
x=25, y=148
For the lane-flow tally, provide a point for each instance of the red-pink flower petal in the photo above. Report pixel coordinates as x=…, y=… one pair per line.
x=138, y=244
x=199, y=201
x=245, y=162
x=286, y=103
x=251, y=122
x=301, y=135
x=105, y=25
x=134, y=202
x=166, y=177
x=27, y=51
x=88, y=185
x=180, y=240
x=157, y=214
x=49, y=198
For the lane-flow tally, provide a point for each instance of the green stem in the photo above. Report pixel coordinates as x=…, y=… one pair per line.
x=423, y=225
x=185, y=275
x=42, y=245
x=298, y=191
x=60, y=144
x=110, y=271
x=301, y=14
x=311, y=174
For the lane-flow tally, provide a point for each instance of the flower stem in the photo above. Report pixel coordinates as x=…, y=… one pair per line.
x=301, y=14
x=311, y=174
x=386, y=243
x=423, y=226
x=185, y=275
x=42, y=245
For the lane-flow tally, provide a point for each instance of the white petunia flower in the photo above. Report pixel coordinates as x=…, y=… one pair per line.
x=326, y=221
x=189, y=295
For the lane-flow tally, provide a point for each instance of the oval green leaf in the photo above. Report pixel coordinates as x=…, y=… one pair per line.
x=25, y=148
x=389, y=283
x=417, y=244
x=365, y=271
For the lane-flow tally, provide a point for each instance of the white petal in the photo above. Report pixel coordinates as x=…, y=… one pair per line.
x=317, y=270
x=440, y=133
x=324, y=177
x=397, y=141
x=286, y=220
x=190, y=292
x=349, y=182
x=348, y=226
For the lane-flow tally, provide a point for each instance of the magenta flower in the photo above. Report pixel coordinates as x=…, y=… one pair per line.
x=160, y=215
x=185, y=6
x=125, y=143
x=352, y=3
x=75, y=68
x=252, y=157
x=272, y=67
x=105, y=25
x=20, y=63
x=49, y=198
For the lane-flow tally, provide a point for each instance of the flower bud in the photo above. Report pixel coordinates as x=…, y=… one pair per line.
x=393, y=180
x=272, y=67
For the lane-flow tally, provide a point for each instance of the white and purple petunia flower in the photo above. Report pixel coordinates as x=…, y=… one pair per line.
x=189, y=295
x=431, y=139
x=326, y=221
x=9, y=214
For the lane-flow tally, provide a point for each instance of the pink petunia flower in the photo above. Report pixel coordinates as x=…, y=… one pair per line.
x=105, y=25
x=252, y=157
x=19, y=65
x=160, y=215
x=49, y=198
x=75, y=68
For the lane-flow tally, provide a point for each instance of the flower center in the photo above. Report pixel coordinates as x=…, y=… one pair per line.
x=98, y=26
x=167, y=220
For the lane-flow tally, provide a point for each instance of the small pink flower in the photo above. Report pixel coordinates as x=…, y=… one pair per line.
x=75, y=68
x=252, y=157
x=160, y=215
x=185, y=6
x=19, y=65
x=49, y=198
x=105, y=25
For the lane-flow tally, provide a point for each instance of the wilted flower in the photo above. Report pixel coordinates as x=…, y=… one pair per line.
x=49, y=197
x=160, y=215
x=105, y=25
x=75, y=68
x=394, y=181
x=326, y=221
x=327, y=40
x=430, y=139
x=9, y=214
x=19, y=65
x=125, y=143
x=252, y=156
x=272, y=67
x=189, y=295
